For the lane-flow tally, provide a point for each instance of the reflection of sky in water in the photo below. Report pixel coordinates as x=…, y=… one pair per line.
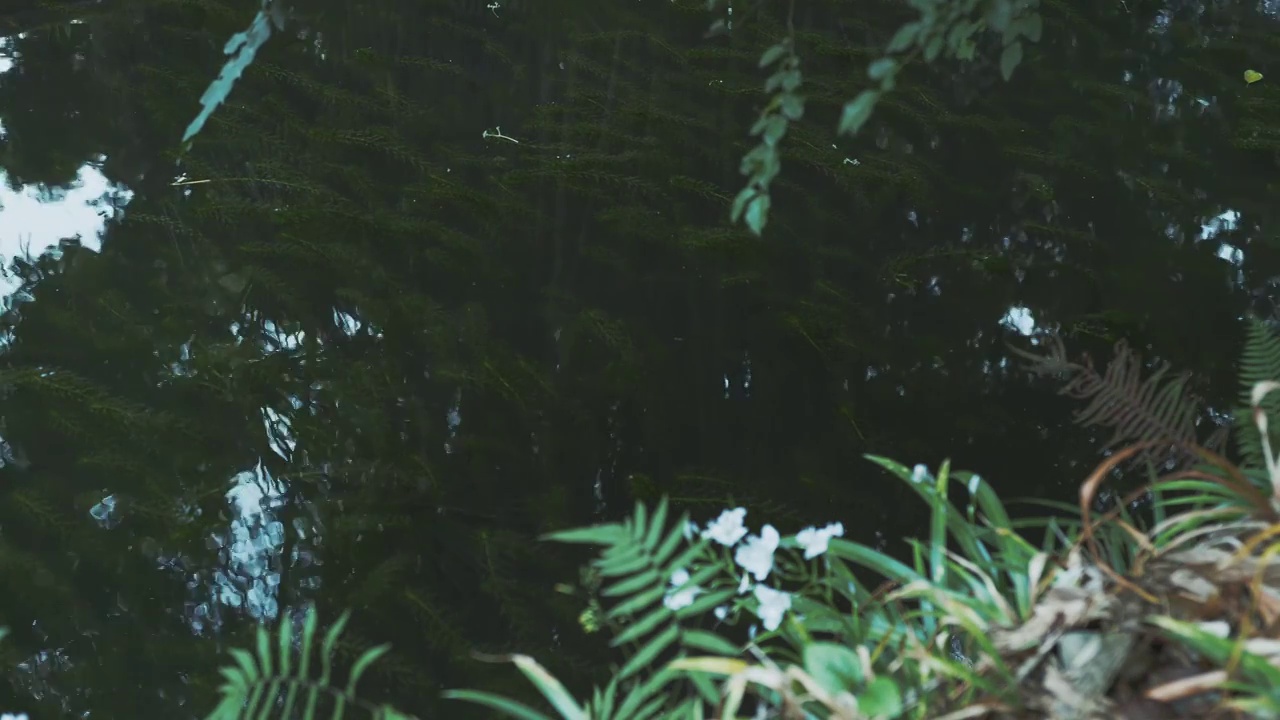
x=1021, y=320
x=32, y=221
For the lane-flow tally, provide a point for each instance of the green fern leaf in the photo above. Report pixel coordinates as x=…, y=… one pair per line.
x=253, y=687
x=1260, y=362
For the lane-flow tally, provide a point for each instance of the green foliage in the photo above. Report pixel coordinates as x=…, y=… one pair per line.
x=640, y=553
x=763, y=163
x=973, y=577
x=992, y=582
x=273, y=680
x=241, y=47
x=946, y=28
x=1259, y=363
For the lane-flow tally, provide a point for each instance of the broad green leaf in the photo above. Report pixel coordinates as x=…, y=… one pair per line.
x=857, y=111
x=998, y=14
x=881, y=699
x=905, y=37
x=740, y=202
x=1033, y=27
x=758, y=213
x=933, y=49
x=792, y=106
x=871, y=559
x=1010, y=58
x=775, y=128
x=835, y=667
x=881, y=68
x=791, y=80
x=773, y=54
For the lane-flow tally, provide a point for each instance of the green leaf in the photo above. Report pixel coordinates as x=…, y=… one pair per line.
x=637, y=603
x=775, y=128
x=368, y=658
x=1033, y=27
x=630, y=563
x=791, y=80
x=792, y=106
x=646, y=655
x=932, y=50
x=860, y=554
x=882, y=698
x=596, y=535
x=640, y=581
x=835, y=667
x=642, y=627
x=709, y=642
x=705, y=602
x=773, y=54
x=758, y=213
x=656, y=525
x=1010, y=58
x=1223, y=651
x=740, y=202
x=674, y=537
x=906, y=35
x=497, y=702
x=882, y=68
x=999, y=12
x=857, y=111
x=550, y=687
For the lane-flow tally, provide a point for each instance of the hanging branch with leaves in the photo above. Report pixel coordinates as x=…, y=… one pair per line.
x=945, y=27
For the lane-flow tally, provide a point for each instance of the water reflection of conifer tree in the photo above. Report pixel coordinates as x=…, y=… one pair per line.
x=486, y=328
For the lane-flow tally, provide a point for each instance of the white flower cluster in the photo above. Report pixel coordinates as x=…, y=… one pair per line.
x=755, y=557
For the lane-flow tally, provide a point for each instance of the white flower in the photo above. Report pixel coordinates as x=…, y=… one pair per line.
x=815, y=541
x=727, y=529
x=722, y=612
x=744, y=584
x=756, y=555
x=919, y=473
x=773, y=605
x=11, y=716
x=678, y=598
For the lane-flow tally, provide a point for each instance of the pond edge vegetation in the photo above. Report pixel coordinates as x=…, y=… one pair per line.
x=1167, y=608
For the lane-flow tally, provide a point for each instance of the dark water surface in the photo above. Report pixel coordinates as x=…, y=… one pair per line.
x=440, y=277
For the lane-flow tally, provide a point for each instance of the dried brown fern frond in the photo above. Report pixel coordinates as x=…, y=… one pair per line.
x=1160, y=410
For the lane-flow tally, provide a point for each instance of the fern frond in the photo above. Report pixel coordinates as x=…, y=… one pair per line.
x=256, y=685
x=1159, y=409
x=641, y=558
x=1260, y=362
